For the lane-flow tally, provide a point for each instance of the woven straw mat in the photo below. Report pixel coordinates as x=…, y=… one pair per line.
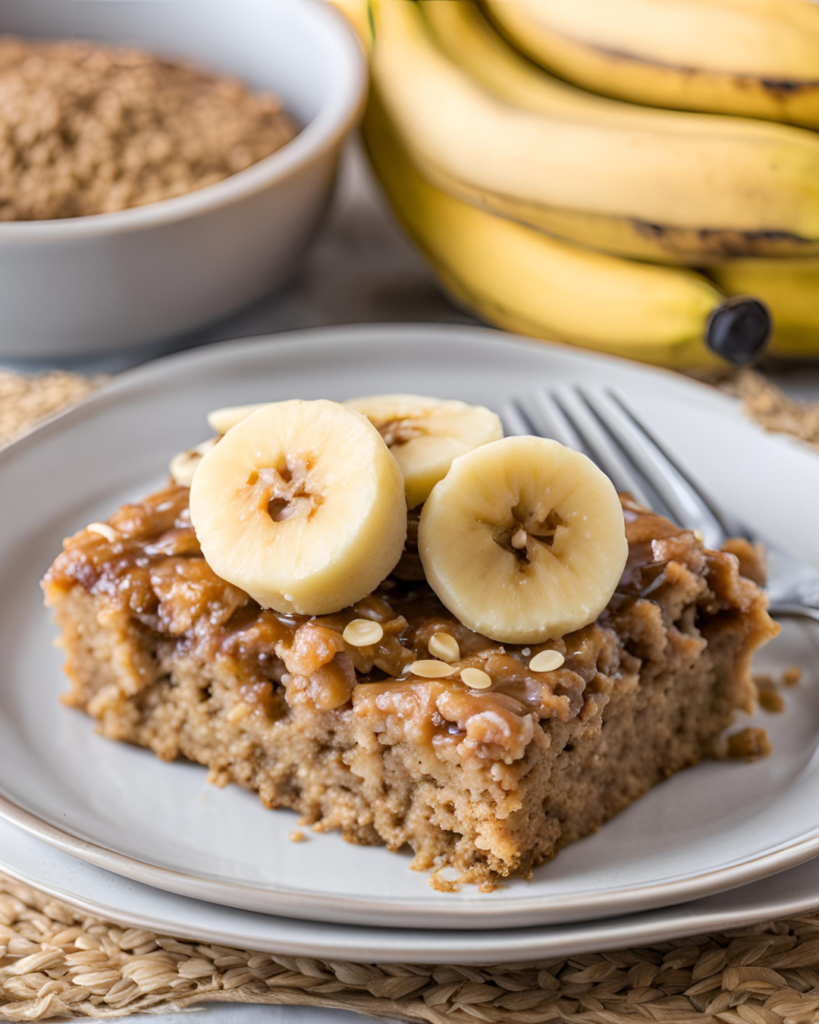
x=58, y=962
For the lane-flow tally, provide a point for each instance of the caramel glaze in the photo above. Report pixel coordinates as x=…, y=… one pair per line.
x=154, y=573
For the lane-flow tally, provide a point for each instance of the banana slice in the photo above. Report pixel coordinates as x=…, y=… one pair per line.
x=183, y=465
x=302, y=506
x=221, y=420
x=426, y=434
x=523, y=540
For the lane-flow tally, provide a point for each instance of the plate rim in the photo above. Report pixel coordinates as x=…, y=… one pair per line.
x=376, y=333
x=507, y=946
x=361, y=909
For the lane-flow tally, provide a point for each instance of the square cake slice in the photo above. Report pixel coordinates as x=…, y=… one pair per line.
x=492, y=779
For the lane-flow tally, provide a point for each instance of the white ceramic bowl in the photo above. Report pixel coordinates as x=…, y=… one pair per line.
x=88, y=284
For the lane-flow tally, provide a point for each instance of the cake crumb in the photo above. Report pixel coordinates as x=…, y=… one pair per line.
x=771, y=700
x=218, y=777
x=763, y=681
x=791, y=676
x=446, y=879
x=449, y=878
x=296, y=836
x=749, y=743
x=752, y=564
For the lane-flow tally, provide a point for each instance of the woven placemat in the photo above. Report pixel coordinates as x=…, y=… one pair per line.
x=58, y=962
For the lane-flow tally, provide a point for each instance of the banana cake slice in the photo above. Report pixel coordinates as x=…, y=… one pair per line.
x=507, y=754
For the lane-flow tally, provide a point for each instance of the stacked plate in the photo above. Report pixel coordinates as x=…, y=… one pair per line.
x=110, y=828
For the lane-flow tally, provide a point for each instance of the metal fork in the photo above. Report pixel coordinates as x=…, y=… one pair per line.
x=602, y=426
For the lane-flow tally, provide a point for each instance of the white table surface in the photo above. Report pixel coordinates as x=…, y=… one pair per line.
x=360, y=270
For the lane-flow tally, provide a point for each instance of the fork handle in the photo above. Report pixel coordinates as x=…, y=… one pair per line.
x=793, y=610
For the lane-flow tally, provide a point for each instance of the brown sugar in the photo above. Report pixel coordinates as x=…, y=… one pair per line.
x=88, y=129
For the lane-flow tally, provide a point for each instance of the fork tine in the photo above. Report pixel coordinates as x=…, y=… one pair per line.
x=600, y=445
x=688, y=505
x=548, y=414
x=514, y=422
x=547, y=419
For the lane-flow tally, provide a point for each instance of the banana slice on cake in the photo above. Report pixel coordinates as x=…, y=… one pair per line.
x=221, y=420
x=523, y=540
x=426, y=434
x=302, y=506
x=184, y=464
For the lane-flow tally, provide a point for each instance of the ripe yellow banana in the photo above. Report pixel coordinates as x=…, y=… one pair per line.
x=469, y=40
x=790, y=288
x=758, y=58
x=693, y=195
x=525, y=281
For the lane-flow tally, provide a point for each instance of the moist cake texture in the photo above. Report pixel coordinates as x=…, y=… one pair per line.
x=166, y=655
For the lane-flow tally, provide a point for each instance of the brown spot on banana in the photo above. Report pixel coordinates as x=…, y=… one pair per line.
x=790, y=86
x=717, y=242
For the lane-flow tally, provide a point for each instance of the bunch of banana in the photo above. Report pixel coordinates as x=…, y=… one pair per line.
x=676, y=187
x=530, y=283
x=534, y=198
x=759, y=58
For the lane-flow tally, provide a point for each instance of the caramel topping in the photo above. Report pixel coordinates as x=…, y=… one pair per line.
x=379, y=657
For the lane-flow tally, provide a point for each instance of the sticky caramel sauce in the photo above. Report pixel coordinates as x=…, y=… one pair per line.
x=154, y=572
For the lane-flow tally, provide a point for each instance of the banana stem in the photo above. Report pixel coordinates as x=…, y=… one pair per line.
x=739, y=330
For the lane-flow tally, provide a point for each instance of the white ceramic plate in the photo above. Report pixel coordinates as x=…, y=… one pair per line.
x=716, y=826
x=132, y=904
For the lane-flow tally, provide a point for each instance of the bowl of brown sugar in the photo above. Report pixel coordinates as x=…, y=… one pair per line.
x=161, y=164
